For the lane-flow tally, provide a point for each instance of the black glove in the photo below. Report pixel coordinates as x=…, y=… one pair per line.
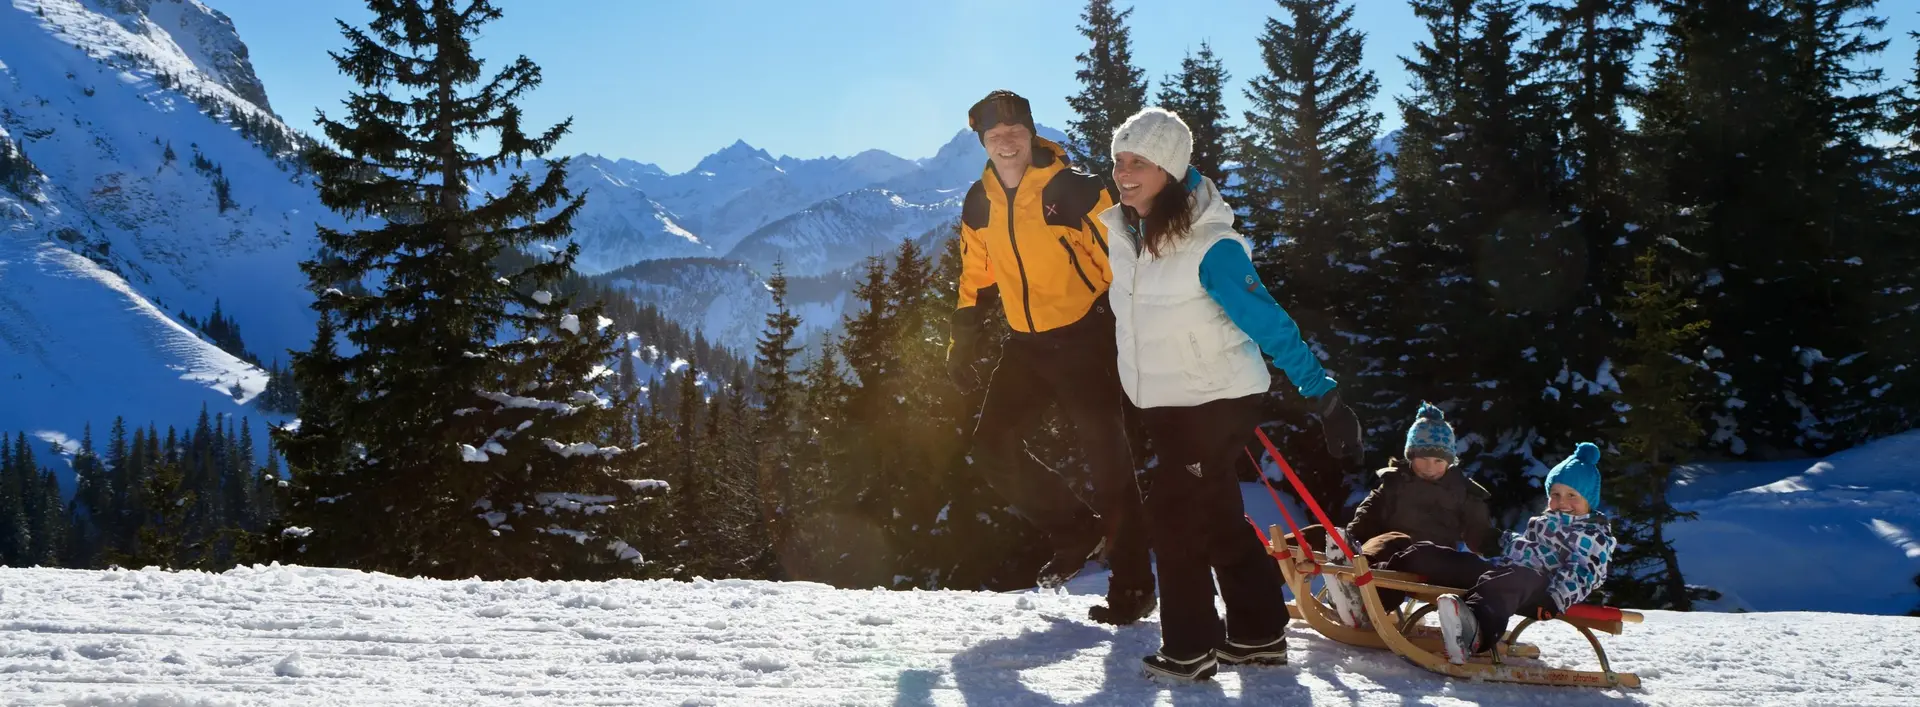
x=963, y=352
x=1341, y=427
x=961, y=370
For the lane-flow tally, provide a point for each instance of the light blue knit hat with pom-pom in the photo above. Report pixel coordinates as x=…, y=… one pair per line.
x=1581, y=472
x=1430, y=435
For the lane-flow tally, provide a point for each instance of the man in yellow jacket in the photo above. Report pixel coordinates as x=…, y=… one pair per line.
x=1029, y=239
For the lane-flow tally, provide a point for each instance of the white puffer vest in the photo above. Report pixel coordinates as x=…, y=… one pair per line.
x=1177, y=346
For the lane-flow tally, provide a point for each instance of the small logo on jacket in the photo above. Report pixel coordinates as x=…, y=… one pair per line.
x=1195, y=468
x=1052, y=209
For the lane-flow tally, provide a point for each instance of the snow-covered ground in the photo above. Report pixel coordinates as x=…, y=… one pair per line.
x=1834, y=534
x=281, y=635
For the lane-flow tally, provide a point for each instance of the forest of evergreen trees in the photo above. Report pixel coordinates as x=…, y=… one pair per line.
x=1681, y=228
x=199, y=499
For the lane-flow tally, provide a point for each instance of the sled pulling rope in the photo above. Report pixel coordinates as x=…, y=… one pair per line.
x=1402, y=631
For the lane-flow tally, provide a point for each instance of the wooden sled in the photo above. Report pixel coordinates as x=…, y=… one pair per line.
x=1404, y=634
x=1308, y=607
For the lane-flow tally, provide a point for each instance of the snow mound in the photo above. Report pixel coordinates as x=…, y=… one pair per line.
x=1834, y=534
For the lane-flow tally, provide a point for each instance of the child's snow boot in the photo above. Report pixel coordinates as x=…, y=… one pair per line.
x=1159, y=665
x=1459, y=630
x=1272, y=652
x=1345, y=597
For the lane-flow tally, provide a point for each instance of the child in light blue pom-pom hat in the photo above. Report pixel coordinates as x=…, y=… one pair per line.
x=1560, y=559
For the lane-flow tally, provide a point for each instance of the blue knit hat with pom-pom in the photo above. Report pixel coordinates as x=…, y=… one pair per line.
x=1580, y=472
x=1430, y=435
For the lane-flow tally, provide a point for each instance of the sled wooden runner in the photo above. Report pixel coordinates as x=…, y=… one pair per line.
x=1404, y=634
x=1307, y=607
x=1585, y=618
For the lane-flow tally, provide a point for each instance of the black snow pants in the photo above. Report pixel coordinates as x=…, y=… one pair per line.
x=1494, y=592
x=1200, y=531
x=1076, y=366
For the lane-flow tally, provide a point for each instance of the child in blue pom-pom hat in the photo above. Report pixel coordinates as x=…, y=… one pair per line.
x=1560, y=559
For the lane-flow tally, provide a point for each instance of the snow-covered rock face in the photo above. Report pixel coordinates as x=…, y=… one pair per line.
x=202, y=34
x=126, y=224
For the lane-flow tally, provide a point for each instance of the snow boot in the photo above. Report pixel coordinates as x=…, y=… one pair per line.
x=1459, y=630
x=1272, y=652
x=1068, y=559
x=1159, y=665
x=1343, y=595
x=1124, y=607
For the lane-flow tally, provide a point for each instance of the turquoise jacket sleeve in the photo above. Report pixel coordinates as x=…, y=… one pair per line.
x=1227, y=274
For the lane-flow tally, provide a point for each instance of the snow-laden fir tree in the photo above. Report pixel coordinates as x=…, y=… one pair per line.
x=456, y=436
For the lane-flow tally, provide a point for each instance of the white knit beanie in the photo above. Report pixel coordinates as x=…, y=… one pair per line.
x=1160, y=136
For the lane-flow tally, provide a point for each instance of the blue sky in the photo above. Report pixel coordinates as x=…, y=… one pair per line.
x=670, y=82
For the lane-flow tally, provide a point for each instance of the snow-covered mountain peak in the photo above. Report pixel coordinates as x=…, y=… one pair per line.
x=963, y=143
x=734, y=158
x=639, y=168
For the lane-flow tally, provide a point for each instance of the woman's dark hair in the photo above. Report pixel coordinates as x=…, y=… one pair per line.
x=1171, y=217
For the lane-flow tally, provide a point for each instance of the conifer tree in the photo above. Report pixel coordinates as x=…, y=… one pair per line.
x=1851, y=232
x=1426, y=268
x=1897, y=328
x=692, y=487
x=316, y=453
x=871, y=407
x=464, y=383
x=92, y=498
x=1311, y=185
x=163, y=535
x=1112, y=88
x=52, y=539
x=1311, y=168
x=778, y=390
x=1195, y=94
x=16, y=502
x=110, y=518
x=1756, y=114
x=1657, y=411
x=808, y=549
x=925, y=426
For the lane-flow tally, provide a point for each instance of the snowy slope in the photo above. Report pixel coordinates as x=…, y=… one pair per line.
x=727, y=300
x=1836, y=534
x=285, y=635
x=81, y=91
x=78, y=345
x=620, y=224
x=842, y=232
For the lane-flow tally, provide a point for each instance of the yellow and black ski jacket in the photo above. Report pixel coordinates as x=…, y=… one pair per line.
x=1045, y=252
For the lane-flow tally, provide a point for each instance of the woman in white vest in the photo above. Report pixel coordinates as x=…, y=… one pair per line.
x=1192, y=319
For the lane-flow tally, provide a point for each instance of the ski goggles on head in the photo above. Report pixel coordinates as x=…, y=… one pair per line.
x=999, y=107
